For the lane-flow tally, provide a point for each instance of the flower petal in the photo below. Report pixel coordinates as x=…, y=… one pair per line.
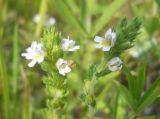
x=32, y=63
x=65, y=40
x=65, y=44
x=71, y=42
x=39, y=46
x=51, y=21
x=62, y=72
x=67, y=69
x=74, y=48
x=108, y=33
x=59, y=62
x=115, y=64
x=36, y=18
x=34, y=44
x=106, y=48
x=115, y=68
x=24, y=54
x=40, y=59
x=113, y=35
x=98, y=39
x=98, y=46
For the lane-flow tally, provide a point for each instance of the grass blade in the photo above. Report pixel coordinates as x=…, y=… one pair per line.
x=150, y=96
x=5, y=82
x=42, y=13
x=107, y=14
x=115, y=106
x=26, y=110
x=140, y=81
x=69, y=17
x=15, y=59
x=15, y=67
x=131, y=81
x=126, y=94
x=84, y=15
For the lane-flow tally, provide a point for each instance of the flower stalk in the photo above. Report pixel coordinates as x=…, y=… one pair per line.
x=55, y=82
x=114, y=43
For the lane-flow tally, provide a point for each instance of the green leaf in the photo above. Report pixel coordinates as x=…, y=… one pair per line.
x=102, y=73
x=150, y=96
x=107, y=14
x=158, y=2
x=126, y=94
x=91, y=72
x=147, y=117
x=140, y=80
x=127, y=32
x=69, y=17
x=131, y=81
x=15, y=72
x=52, y=43
x=4, y=80
x=152, y=24
x=42, y=13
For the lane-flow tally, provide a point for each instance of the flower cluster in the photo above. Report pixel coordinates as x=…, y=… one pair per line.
x=106, y=43
x=36, y=52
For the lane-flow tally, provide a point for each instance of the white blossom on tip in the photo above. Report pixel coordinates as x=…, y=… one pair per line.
x=36, y=18
x=62, y=66
x=69, y=45
x=35, y=53
x=106, y=43
x=115, y=64
x=51, y=21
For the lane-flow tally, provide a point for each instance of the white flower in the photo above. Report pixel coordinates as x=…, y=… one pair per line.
x=36, y=18
x=62, y=66
x=51, y=21
x=107, y=42
x=48, y=21
x=69, y=45
x=115, y=64
x=35, y=52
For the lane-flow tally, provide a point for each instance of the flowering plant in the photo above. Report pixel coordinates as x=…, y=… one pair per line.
x=51, y=52
x=79, y=59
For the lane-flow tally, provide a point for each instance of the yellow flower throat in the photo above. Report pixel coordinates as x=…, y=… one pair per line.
x=106, y=43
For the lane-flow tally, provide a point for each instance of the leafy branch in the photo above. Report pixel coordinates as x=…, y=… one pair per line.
x=55, y=83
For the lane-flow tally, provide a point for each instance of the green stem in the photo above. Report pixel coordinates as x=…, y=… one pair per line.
x=91, y=112
x=102, y=73
x=42, y=13
x=14, y=68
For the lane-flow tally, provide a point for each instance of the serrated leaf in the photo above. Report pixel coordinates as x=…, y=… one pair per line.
x=91, y=71
x=126, y=34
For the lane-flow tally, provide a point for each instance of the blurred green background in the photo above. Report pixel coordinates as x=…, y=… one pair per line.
x=22, y=94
